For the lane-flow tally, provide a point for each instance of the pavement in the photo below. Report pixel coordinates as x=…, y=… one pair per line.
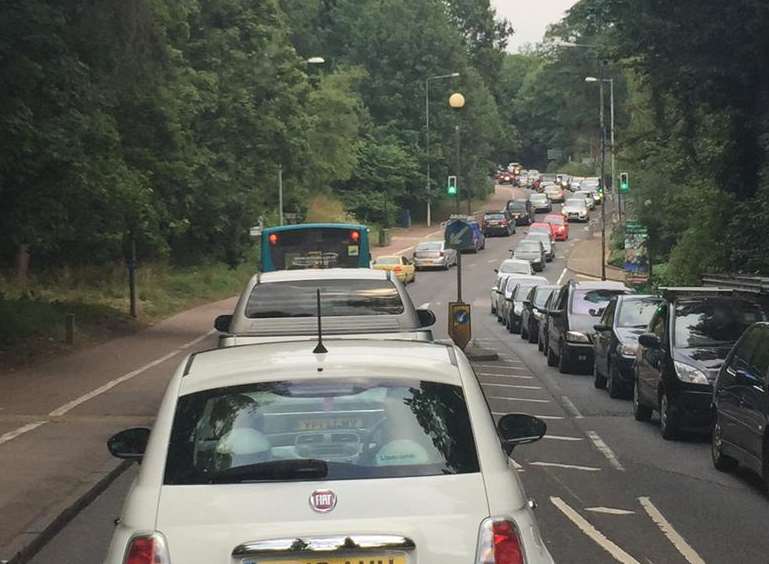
x=55, y=417
x=585, y=260
x=607, y=488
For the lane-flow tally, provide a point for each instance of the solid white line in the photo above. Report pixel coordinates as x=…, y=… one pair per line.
x=492, y=261
x=511, y=386
x=519, y=399
x=517, y=376
x=560, y=438
x=609, y=511
x=10, y=435
x=605, y=450
x=508, y=365
x=516, y=465
x=560, y=278
x=569, y=466
x=597, y=536
x=667, y=529
x=571, y=408
x=555, y=417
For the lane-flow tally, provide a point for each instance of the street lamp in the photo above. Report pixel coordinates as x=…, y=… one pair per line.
x=427, y=136
x=603, y=175
x=457, y=102
x=613, y=169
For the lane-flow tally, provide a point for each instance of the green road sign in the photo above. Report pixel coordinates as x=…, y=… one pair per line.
x=452, y=188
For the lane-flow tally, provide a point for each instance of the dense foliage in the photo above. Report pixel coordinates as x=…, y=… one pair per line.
x=166, y=121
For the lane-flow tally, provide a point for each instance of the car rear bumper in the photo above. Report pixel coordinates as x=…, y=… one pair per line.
x=496, y=230
x=431, y=262
x=579, y=354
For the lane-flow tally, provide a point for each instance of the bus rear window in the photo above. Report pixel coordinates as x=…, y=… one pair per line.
x=337, y=298
x=315, y=248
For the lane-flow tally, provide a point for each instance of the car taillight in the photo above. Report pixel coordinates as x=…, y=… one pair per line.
x=147, y=549
x=499, y=543
x=355, y=236
x=273, y=238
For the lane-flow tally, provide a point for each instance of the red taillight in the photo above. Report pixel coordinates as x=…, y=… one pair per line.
x=355, y=236
x=147, y=549
x=273, y=238
x=499, y=543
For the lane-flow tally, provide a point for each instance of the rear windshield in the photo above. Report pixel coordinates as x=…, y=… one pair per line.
x=528, y=246
x=516, y=206
x=637, y=313
x=713, y=322
x=337, y=298
x=339, y=429
x=592, y=302
x=494, y=216
x=515, y=268
x=429, y=247
x=315, y=248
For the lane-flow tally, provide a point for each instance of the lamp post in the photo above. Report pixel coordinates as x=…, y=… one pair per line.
x=611, y=142
x=457, y=102
x=603, y=175
x=427, y=137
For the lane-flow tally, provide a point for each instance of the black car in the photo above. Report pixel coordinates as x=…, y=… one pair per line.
x=498, y=223
x=741, y=405
x=534, y=311
x=690, y=335
x=616, y=339
x=517, y=297
x=522, y=211
x=571, y=319
x=544, y=324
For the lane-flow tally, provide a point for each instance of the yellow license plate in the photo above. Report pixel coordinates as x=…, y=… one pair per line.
x=392, y=559
x=330, y=423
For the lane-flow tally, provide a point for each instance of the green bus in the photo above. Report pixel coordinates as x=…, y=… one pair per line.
x=315, y=245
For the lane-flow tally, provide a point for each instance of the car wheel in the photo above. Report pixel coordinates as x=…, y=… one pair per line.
x=599, y=380
x=721, y=461
x=612, y=382
x=668, y=420
x=640, y=412
x=552, y=360
x=564, y=367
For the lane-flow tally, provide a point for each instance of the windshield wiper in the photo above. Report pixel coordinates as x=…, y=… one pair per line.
x=277, y=470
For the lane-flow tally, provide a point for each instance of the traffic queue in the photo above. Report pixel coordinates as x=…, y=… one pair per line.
x=327, y=426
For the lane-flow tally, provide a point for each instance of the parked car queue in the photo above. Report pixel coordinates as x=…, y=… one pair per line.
x=699, y=357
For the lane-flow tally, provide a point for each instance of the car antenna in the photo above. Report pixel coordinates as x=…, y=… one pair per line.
x=319, y=348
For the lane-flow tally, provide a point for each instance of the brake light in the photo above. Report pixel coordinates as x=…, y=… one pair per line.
x=273, y=238
x=499, y=543
x=147, y=549
x=355, y=236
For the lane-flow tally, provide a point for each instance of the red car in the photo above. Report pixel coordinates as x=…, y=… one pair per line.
x=559, y=225
x=543, y=227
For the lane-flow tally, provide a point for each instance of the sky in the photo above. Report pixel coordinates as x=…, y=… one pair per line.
x=530, y=18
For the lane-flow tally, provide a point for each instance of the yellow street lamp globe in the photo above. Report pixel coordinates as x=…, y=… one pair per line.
x=457, y=101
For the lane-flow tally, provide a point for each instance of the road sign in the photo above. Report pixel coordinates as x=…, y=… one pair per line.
x=460, y=327
x=451, y=188
x=459, y=235
x=624, y=182
x=554, y=154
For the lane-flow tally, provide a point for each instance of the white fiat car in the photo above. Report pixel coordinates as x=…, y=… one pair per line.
x=275, y=453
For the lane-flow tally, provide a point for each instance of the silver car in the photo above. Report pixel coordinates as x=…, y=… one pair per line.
x=532, y=251
x=541, y=203
x=575, y=209
x=588, y=197
x=434, y=254
x=354, y=302
x=508, y=267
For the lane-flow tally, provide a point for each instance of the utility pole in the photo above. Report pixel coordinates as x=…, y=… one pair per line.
x=280, y=192
x=603, y=178
x=428, y=187
x=458, y=168
x=613, y=152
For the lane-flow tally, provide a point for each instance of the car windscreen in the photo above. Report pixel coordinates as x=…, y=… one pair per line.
x=541, y=295
x=575, y=203
x=320, y=429
x=637, y=312
x=343, y=297
x=713, y=322
x=515, y=268
x=315, y=248
x=516, y=206
x=592, y=301
x=528, y=246
x=540, y=236
x=538, y=198
x=522, y=290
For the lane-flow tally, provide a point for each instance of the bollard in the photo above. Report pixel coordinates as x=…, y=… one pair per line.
x=69, y=328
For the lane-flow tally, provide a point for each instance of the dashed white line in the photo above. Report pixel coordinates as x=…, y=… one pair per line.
x=512, y=386
x=517, y=376
x=560, y=278
x=605, y=450
x=519, y=399
x=568, y=466
x=548, y=417
x=597, y=536
x=10, y=435
x=560, y=438
x=570, y=407
x=667, y=529
x=609, y=511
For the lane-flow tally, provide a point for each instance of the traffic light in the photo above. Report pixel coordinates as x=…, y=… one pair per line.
x=624, y=182
x=452, y=189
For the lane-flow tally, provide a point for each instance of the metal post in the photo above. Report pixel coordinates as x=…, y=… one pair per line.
x=69, y=328
x=613, y=152
x=280, y=192
x=427, y=148
x=460, y=186
x=603, y=180
x=134, y=309
x=459, y=276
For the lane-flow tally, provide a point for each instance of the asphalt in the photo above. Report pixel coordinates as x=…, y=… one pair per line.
x=607, y=488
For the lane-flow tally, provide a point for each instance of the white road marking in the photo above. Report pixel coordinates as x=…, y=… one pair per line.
x=492, y=261
x=519, y=399
x=511, y=386
x=667, y=529
x=10, y=435
x=609, y=511
x=517, y=376
x=425, y=305
x=597, y=536
x=560, y=438
x=560, y=278
x=516, y=465
x=403, y=251
x=554, y=417
x=605, y=450
x=570, y=407
x=569, y=466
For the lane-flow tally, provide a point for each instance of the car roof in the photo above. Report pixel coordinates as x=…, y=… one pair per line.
x=270, y=362
x=514, y=261
x=600, y=285
x=321, y=274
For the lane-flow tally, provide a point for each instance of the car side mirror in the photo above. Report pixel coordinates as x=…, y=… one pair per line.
x=527, y=302
x=426, y=317
x=222, y=323
x=601, y=328
x=496, y=270
x=519, y=429
x=129, y=444
x=649, y=340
